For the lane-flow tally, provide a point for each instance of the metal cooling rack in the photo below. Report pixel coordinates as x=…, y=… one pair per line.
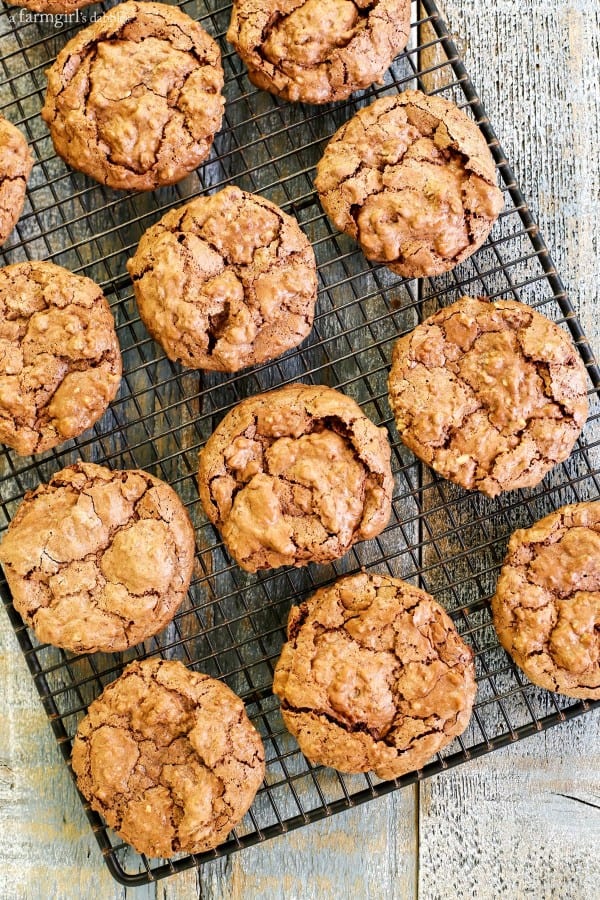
x=450, y=542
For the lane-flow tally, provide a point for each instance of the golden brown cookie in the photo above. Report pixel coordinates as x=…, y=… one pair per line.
x=60, y=363
x=98, y=560
x=411, y=178
x=134, y=100
x=169, y=757
x=374, y=676
x=547, y=602
x=317, y=51
x=15, y=165
x=225, y=282
x=491, y=395
x=295, y=475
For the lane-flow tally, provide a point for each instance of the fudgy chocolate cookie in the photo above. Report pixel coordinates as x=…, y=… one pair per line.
x=134, y=100
x=15, y=165
x=60, y=363
x=411, y=178
x=490, y=395
x=225, y=282
x=295, y=475
x=169, y=758
x=98, y=560
x=317, y=51
x=547, y=602
x=374, y=676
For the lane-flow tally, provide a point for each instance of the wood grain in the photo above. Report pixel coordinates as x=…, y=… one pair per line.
x=519, y=822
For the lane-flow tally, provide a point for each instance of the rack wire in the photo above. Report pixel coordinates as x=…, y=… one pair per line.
x=448, y=541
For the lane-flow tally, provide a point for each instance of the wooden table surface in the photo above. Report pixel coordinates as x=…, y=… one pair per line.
x=524, y=821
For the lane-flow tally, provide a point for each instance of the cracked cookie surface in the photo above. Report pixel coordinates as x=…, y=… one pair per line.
x=53, y=7
x=134, y=100
x=547, y=602
x=295, y=475
x=225, y=282
x=412, y=180
x=16, y=162
x=318, y=51
x=98, y=559
x=374, y=676
x=169, y=757
x=490, y=395
x=60, y=362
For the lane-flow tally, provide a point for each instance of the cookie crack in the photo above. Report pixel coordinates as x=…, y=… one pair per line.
x=349, y=727
x=379, y=737
x=4, y=178
x=336, y=51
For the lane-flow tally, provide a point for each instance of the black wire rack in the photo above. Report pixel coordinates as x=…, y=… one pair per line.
x=451, y=543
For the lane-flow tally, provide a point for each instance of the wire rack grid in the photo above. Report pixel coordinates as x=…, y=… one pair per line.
x=451, y=543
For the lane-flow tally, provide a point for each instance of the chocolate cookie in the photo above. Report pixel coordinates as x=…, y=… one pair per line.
x=15, y=165
x=53, y=7
x=295, y=475
x=317, y=51
x=411, y=178
x=374, y=676
x=60, y=363
x=490, y=395
x=169, y=758
x=547, y=602
x=225, y=282
x=134, y=100
x=98, y=560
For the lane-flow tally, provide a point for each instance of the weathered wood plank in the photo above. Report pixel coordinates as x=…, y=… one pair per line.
x=517, y=823
x=48, y=849
x=365, y=852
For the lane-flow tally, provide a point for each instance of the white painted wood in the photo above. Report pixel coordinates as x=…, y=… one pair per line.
x=503, y=826
x=518, y=822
